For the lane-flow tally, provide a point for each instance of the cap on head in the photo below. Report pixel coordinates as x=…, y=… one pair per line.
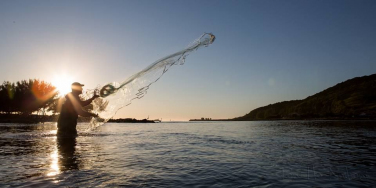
x=77, y=86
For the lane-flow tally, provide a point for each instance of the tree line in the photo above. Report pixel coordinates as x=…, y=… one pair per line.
x=28, y=96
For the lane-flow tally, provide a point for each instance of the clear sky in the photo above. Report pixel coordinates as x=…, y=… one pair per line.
x=265, y=52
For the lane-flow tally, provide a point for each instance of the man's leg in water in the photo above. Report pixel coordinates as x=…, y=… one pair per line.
x=67, y=127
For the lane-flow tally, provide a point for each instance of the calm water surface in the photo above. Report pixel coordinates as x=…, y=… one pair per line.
x=192, y=154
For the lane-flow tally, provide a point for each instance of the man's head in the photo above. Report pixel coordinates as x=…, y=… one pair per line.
x=77, y=88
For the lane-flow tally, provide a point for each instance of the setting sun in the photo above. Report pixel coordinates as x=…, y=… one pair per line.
x=63, y=84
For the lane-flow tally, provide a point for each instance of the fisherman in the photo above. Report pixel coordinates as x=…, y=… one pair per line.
x=72, y=107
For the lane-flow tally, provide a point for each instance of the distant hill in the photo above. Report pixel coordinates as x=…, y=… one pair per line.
x=354, y=98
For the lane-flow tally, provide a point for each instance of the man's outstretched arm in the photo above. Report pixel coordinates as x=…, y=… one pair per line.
x=87, y=102
x=78, y=108
x=85, y=114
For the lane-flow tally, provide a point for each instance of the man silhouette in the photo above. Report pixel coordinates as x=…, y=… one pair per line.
x=72, y=107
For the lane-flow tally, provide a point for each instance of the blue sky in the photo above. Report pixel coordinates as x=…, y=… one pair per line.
x=265, y=52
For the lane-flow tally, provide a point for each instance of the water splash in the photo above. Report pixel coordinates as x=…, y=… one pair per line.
x=115, y=96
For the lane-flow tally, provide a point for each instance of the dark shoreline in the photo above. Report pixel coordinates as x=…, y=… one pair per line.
x=294, y=119
x=130, y=120
x=33, y=119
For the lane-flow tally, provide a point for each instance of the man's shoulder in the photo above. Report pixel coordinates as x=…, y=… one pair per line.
x=71, y=96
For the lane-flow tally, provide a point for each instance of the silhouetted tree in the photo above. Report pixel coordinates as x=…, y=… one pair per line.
x=27, y=96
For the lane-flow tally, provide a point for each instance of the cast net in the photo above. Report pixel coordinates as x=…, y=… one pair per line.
x=114, y=96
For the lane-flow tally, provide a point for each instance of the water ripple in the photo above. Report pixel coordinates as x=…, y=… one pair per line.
x=214, y=154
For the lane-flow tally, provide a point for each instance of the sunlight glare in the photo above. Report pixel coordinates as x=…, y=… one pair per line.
x=54, y=165
x=63, y=84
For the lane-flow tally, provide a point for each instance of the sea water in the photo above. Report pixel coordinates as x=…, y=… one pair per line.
x=192, y=154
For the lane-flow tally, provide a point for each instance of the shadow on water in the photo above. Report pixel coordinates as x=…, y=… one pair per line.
x=66, y=147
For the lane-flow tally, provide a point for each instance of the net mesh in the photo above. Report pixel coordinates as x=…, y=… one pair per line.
x=114, y=96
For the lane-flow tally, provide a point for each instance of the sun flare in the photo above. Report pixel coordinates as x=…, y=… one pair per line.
x=63, y=84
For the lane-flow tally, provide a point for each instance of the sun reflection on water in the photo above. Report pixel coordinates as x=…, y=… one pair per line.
x=54, y=166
